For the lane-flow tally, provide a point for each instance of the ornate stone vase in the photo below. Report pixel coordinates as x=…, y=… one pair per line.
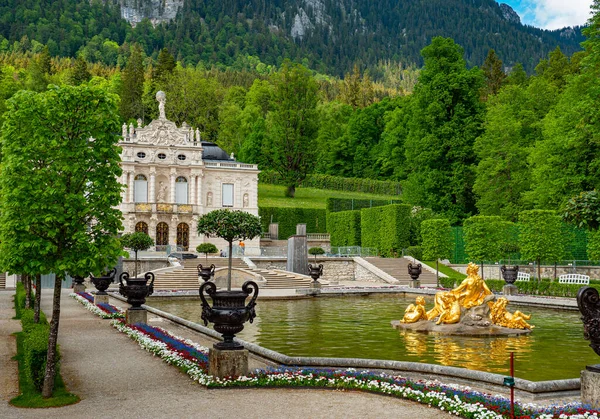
x=414, y=270
x=588, y=302
x=509, y=273
x=136, y=289
x=78, y=280
x=205, y=273
x=229, y=311
x=315, y=272
x=103, y=282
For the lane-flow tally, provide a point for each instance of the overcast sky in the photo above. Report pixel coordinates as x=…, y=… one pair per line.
x=551, y=14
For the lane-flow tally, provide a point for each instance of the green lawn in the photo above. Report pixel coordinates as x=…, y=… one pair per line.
x=274, y=196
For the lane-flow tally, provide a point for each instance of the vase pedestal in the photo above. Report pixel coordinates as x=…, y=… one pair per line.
x=415, y=283
x=78, y=288
x=101, y=298
x=136, y=316
x=510, y=289
x=590, y=386
x=227, y=363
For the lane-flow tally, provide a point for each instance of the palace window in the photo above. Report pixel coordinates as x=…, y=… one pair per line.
x=141, y=155
x=227, y=197
x=181, y=190
x=140, y=189
x=162, y=156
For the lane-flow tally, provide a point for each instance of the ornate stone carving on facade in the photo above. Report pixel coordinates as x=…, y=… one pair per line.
x=161, y=193
x=209, y=199
x=246, y=201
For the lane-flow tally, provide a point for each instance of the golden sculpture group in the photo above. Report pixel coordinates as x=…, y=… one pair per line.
x=449, y=306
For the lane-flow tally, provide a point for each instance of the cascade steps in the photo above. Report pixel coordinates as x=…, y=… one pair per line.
x=398, y=269
x=3, y=280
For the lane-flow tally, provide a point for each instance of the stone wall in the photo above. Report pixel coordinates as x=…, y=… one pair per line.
x=493, y=271
x=145, y=265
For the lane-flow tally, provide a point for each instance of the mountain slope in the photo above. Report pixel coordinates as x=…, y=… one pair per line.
x=329, y=35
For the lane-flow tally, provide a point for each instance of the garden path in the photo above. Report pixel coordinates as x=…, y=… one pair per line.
x=115, y=378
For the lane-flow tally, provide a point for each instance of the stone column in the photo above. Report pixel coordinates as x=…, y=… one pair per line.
x=192, y=188
x=124, y=181
x=590, y=386
x=152, y=188
x=172, y=191
x=131, y=183
x=152, y=227
x=173, y=230
x=199, y=191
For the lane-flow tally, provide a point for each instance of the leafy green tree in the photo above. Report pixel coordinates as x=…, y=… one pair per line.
x=164, y=66
x=206, y=248
x=60, y=187
x=583, y=210
x=593, y=245
x=292, y=126
x=446, y=119
x=230, y=226
x=80, y=73
x=541, y=236
x=391, y=157
x=437, y=241
x=137, y=241
x=483, y=236
x=133, y=85
x=316, y=251
x=493, y=73
x=517, y=75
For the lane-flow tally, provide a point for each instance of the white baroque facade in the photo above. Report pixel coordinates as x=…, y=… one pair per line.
x=172, y=178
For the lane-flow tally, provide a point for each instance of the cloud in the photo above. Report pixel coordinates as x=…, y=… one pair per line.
x=555, y=14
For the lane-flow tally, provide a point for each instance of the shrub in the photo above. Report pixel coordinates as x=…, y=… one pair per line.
x=415, y=251
x=35, y=351
x=483, y=236
x=386, y=228
x=315, y=251
x=346, y=204
x=19, y=300
x=27, y=319
x=289, y=217
x=344, y=228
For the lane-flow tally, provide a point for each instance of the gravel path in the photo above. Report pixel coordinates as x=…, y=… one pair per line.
x=117, y=379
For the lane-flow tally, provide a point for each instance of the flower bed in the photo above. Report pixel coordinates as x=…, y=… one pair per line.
x=104, y=310
x=192, y=359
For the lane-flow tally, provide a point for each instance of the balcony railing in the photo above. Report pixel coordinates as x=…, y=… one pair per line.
x=164, y=208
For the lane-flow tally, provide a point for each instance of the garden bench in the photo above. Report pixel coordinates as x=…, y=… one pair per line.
x=574, y=279
x=523, y=276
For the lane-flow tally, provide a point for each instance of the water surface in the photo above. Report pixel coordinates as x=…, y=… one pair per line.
x=359, y=327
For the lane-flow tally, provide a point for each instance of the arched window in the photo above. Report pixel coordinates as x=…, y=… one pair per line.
x=183, y=236
x=140, y=188
x=141, y=227
x=162, y=234
x=181, y=190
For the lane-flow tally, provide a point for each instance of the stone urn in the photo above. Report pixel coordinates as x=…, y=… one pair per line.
x=229, y=311
x=414, y=271
x=103, y=282
x=205, y=273
x=509, y=273
x=315, y=272
x=78, y=280
x=136, y=289
x=588, y=302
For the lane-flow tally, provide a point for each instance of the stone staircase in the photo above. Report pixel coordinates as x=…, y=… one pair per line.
x=187, y=278
x=398, y=269
x=2, y=280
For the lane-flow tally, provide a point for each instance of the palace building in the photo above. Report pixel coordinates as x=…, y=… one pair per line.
x=172, y=178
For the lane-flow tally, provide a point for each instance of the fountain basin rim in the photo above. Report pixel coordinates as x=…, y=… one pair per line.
x=458, y=329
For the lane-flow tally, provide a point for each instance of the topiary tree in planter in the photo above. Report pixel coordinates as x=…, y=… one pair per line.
x=437, y=241
x=316, y=251
x=230, y=226
x=137, y=241
x=206, y=248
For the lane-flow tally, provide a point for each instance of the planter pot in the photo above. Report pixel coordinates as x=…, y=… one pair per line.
x=205, y=273
x=509, y=273
x=315, y=272
x=103, y=282
x=414, y=270
x=588, y=302
x=229, y=311
x=78, y=280
x=136, y=289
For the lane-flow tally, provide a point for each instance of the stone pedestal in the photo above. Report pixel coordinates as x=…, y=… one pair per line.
x=590, y=386
x=297, y=260
x=101, y=299
x=315, y=284
x=78, y=288
x=510, y=289
x=136, y=316
x=227, y=363
x=415, y=283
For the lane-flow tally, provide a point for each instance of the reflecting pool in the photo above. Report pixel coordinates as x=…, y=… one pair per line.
x=359, y=327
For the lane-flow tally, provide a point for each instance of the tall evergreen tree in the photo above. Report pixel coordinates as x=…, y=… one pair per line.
x=493, y=73
x=80, y=73
x=164, y=66
x=133, y=86
x=446, y=119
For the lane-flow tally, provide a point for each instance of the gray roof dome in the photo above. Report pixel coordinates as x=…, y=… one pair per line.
x=211, y=151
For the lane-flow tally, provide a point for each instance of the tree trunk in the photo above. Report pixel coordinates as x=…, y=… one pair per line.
x=135, y=269
x=50, y=372
x=290, y=191
x=38, y=298
x=229, y=264
x=27, y=285
x=539, y=269
x=554, y=271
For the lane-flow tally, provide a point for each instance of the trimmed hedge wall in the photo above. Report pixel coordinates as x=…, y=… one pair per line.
x=35, y=352
x=337, y=183
x=345, y=204
x=288, y=217
x=344, y=228
x=386, y=228
x=544, y=287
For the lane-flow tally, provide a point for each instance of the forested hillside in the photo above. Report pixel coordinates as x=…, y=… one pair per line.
x=327, y=36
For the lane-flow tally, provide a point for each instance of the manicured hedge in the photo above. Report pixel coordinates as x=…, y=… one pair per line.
x=415, y=251
x=544, y=287
x=338, y=183
x=345, y=204
x=386, y=228
x=344, y=228
x=19, y=300
x=27, y=317
x=288, y=217
x=35, y=347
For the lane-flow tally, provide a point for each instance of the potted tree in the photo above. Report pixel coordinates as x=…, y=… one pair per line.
x=229, y=312
x=137, y=241
x=316, y=251
x=206, y=272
